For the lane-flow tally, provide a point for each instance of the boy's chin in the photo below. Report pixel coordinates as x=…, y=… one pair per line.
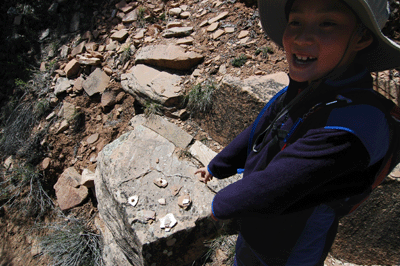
x=304, y=77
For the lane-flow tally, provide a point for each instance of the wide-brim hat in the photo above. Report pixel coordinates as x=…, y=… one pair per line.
x=384, y=53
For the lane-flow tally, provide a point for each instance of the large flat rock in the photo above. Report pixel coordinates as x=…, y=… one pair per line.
x=128, y=167
x=150, y=84
x=236, y=104
x=168, y=56
x=97, y=82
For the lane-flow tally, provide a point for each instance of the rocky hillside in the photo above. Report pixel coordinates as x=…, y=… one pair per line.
x=64, y=64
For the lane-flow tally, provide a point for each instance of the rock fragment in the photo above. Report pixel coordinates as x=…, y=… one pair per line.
x=177, y=32
x=184, y=201
x=80, y=48
x=168, y=56
x=175, y=189
x=93, y=138
x=168, y=222
x=162, y=201
x=130, y=17
x=96, y=82
x=68, y=191
x=62, y=85
x=120, y=35
x=219, y=17
x=87, y=178
x=133, y=200
x=72, y=68
x=160, y=182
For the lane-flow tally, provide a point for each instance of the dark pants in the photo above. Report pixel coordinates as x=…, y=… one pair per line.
x=245, y=256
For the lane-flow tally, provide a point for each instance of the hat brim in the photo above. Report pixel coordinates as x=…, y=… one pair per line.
x=383, y=56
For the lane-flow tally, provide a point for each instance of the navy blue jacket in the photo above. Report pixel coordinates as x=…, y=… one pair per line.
x=282, y=201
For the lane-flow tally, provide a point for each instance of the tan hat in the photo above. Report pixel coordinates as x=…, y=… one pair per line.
x=383, y=55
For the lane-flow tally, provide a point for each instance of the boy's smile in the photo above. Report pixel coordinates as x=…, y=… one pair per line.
x=319, y=36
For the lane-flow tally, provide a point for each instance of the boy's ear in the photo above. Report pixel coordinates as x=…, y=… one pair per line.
x=364, y=40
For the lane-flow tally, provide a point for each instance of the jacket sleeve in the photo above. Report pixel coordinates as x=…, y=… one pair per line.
x=317, y=158
x=232, y=157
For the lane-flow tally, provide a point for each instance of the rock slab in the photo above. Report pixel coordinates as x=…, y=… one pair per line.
x=68, y=190
x=168, y=56
x=148, y=83
x=128, y=167
x=96, y=82
x=236, y=104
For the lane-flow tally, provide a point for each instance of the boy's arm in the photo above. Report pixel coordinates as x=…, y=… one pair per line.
x=312, y=161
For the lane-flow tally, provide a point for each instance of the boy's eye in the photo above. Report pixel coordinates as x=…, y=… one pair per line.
x=294, y=23
x=327, y=24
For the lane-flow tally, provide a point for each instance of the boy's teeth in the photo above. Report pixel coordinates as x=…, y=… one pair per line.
x=304, y=58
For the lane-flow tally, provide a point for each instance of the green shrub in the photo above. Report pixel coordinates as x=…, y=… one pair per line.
x=140, y=13
x=41, y=107
x=199, y=98
x=152, y=108
x=17, y=128
x=72, y=243
x=223, y=242
x=265, y=51
x=20, y=83
x=22, y=190
x=239, y=61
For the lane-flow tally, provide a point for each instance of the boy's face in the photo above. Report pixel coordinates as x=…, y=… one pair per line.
x=316, y=37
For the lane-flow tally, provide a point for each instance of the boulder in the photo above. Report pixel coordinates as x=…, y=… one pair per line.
x=93, y=61
x=147, y=83
x=69, y=192
x=62, y=85
x=236, y=104
x=120, y=35
x=127, y=168
x=168, y=56
x=68, y=110
x=130, y=17
x=166, y=129
x=72, y=68
x=80, y=48
x=370, y=235
x=177, y=32
x=96, y=82
x=108, y=98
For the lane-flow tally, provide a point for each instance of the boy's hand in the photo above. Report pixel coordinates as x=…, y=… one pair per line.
x=205, y=176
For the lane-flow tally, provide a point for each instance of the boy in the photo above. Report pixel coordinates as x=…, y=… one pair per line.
x=310, y=152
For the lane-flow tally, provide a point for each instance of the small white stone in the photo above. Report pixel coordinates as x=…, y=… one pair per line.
x=133, y=200
x=160, y=182
x=162, y=201
x=167, y=222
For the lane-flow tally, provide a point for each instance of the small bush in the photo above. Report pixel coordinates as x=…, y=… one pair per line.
x=41, y=107
x=141, y=12
x=225, y=243
x=264, y=51
x=18, y=127
x=22, y=189
x=72, y=243
x=199, y=98
x=125, y=55
x=239, y=61
x=152, y=108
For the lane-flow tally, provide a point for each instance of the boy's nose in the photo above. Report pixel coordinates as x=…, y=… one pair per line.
x=304, y=36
